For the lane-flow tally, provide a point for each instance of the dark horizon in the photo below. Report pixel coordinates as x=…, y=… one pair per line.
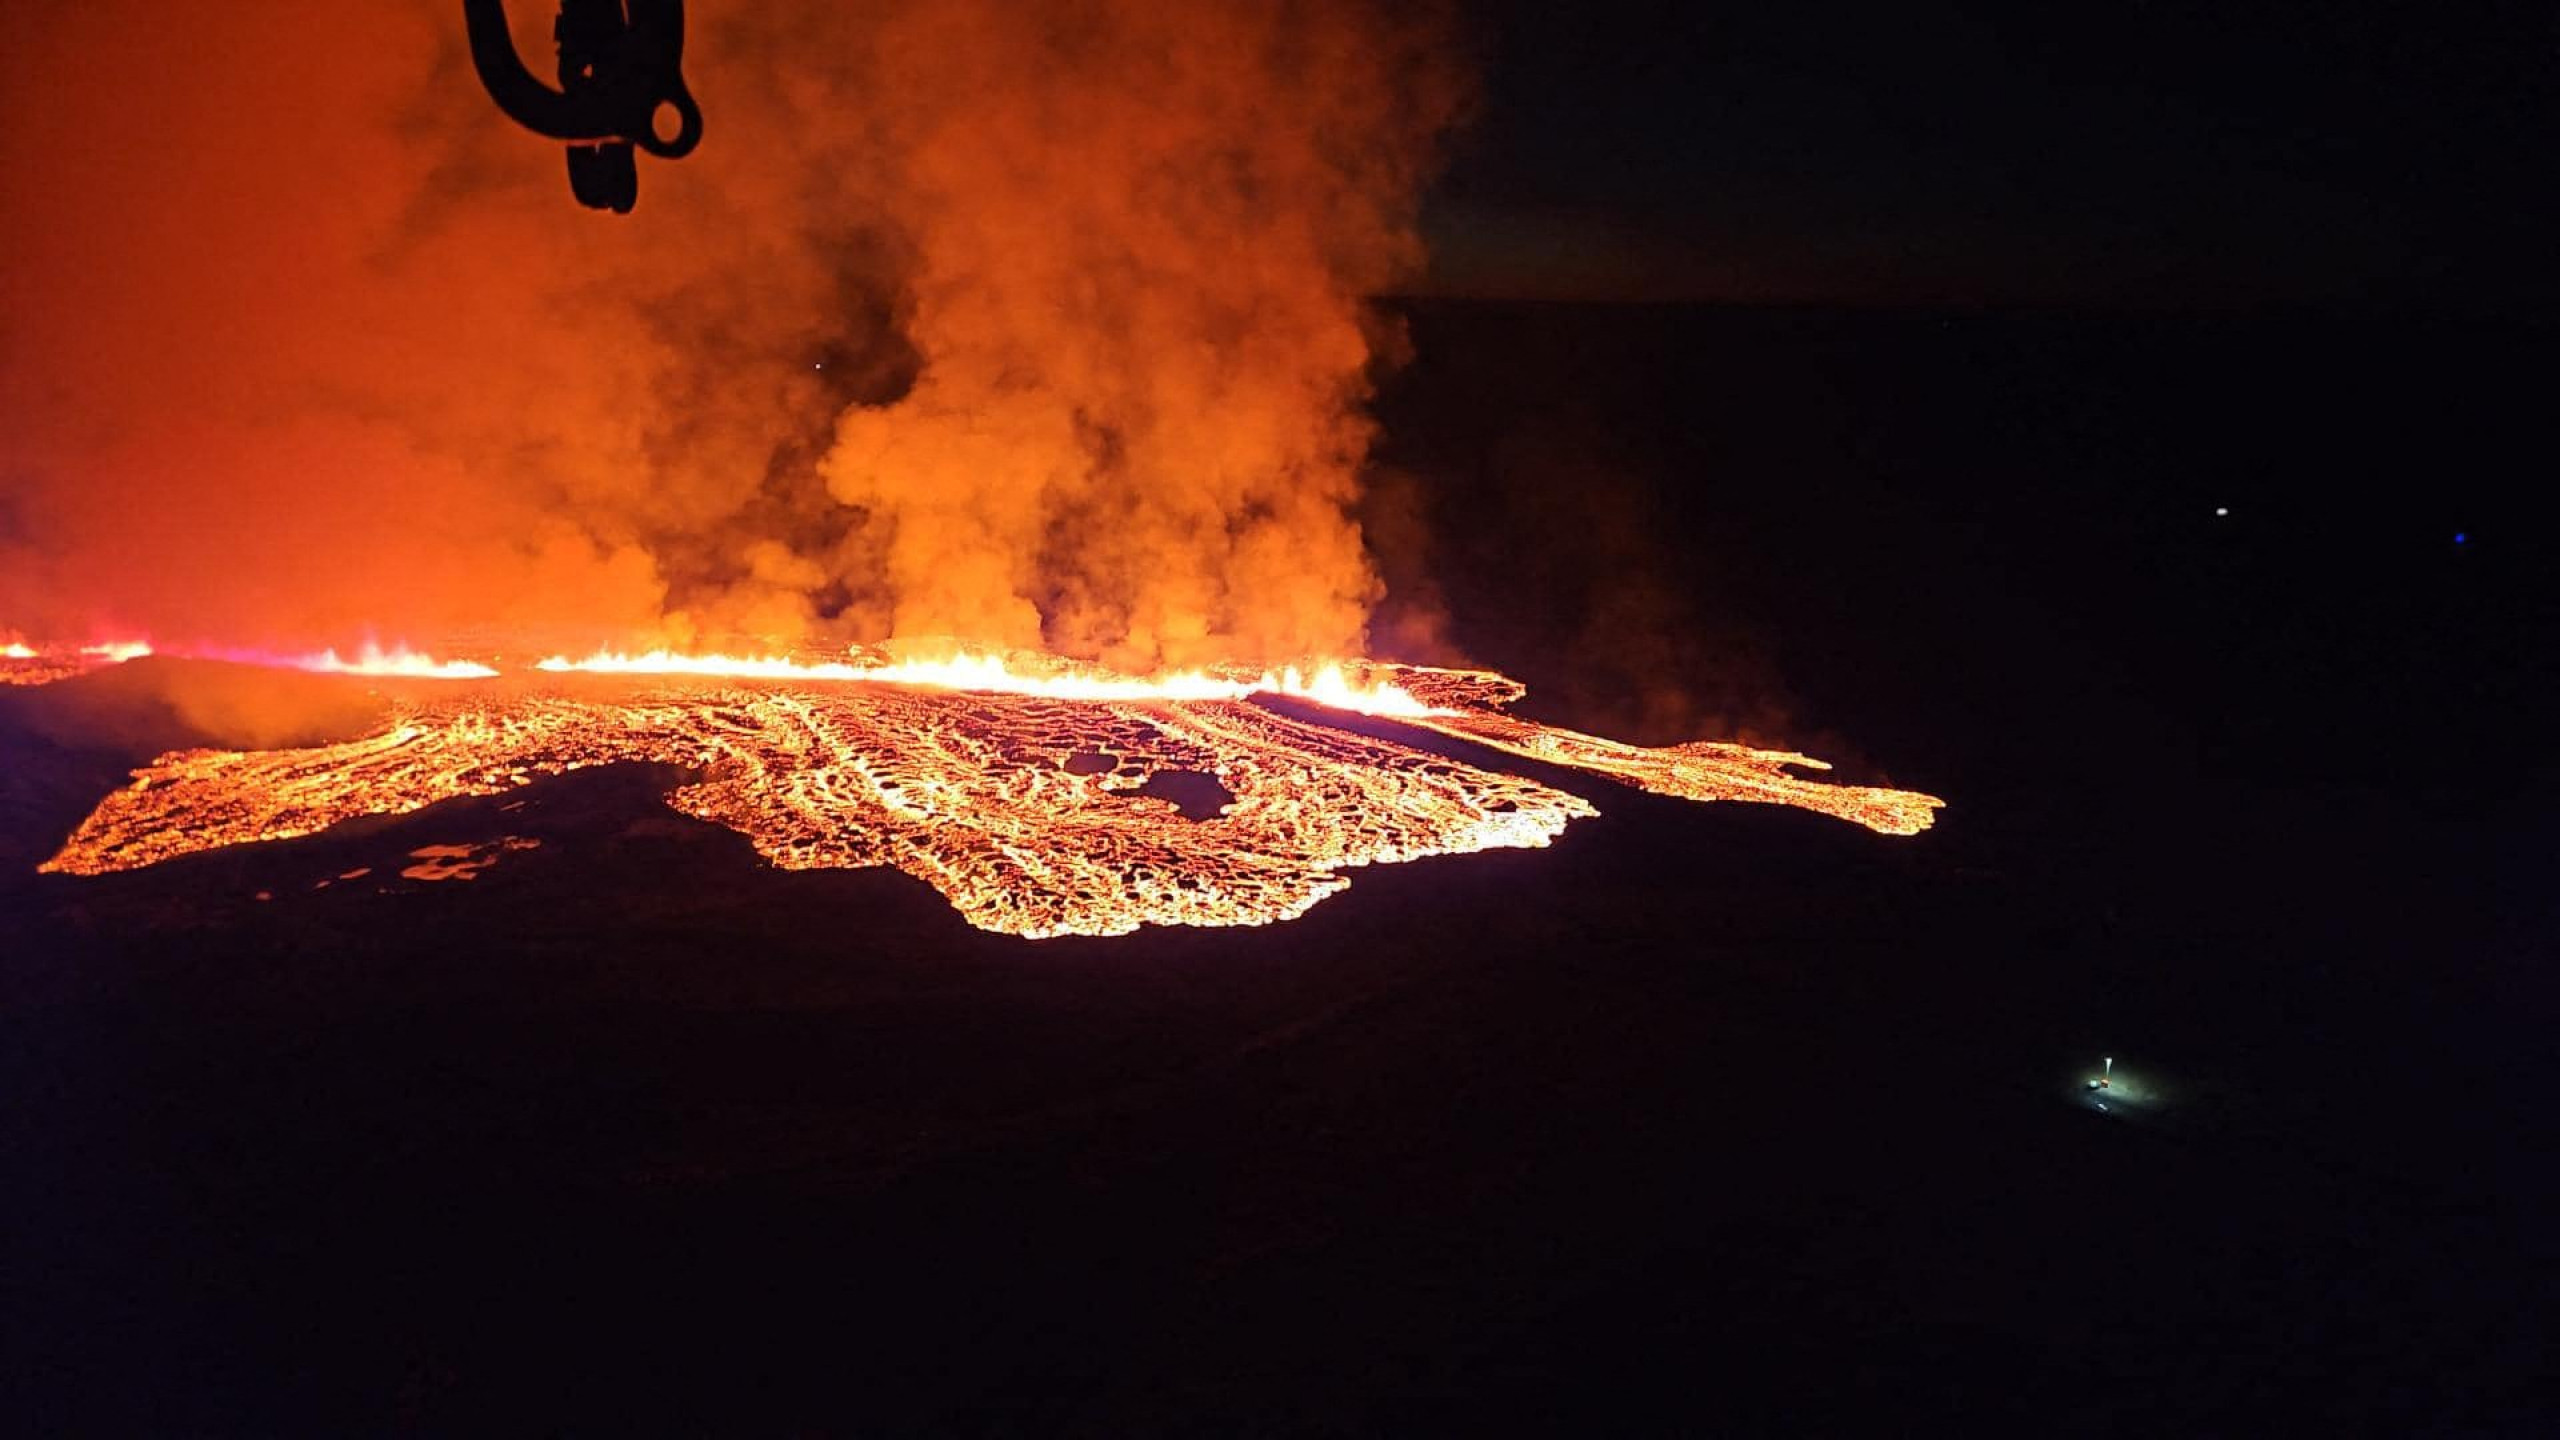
x=1943, y=154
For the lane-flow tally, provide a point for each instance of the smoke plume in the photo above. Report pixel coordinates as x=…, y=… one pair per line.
x=1027, y=322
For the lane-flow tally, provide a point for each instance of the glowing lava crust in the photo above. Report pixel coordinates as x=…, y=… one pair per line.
x=1016, y=794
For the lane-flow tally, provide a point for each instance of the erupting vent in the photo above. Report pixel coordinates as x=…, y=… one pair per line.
x=1031, y=325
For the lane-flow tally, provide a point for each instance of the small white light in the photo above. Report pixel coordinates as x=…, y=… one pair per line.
x=2221, y=509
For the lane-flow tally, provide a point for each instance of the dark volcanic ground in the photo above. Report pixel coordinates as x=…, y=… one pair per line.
x=1721, y=1118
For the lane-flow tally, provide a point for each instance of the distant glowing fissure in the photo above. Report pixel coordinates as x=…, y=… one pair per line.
x=369, y=659
x=1326, y=683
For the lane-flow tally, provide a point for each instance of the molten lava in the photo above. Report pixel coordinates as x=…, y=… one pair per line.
x=1022, y=791
x=25, y=664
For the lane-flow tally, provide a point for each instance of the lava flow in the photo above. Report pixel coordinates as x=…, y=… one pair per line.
x=25, y=664
x=1471, y=705
x=1032, y=801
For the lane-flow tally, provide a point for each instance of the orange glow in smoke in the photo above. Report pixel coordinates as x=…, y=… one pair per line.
x=1041, y=323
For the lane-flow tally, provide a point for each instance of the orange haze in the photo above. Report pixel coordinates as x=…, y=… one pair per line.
x=1035, y=322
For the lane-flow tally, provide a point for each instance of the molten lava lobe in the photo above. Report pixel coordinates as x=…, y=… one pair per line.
x=1058, y=801
x=456, y=862
x=1471, y=705
x=976, y=794
x=1699, y=770
x=34, y=669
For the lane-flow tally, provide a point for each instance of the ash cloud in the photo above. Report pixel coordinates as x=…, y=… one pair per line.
x=1031, y=323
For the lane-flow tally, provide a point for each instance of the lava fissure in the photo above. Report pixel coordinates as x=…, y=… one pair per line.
x=1029, y=811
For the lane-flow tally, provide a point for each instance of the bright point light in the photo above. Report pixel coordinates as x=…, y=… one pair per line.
x=2221, y=509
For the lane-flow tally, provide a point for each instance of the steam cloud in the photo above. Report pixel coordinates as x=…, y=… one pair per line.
x=1029, y=322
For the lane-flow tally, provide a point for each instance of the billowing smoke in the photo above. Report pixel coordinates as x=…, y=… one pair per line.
x=1028, y=322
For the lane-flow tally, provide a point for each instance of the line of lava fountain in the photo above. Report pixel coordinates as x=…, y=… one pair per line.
x=25, y=664
x=399, y=662
x=1326, y=684
x=1329, y=683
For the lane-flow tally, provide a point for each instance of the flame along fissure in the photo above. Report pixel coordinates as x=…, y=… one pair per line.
x=1014, y=793
x=25, y=664
x=1329, y=683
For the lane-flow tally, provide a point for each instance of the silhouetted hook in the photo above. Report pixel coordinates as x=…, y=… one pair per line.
x=618, y=63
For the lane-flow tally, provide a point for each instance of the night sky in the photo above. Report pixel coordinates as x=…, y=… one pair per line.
x=2157, y=152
